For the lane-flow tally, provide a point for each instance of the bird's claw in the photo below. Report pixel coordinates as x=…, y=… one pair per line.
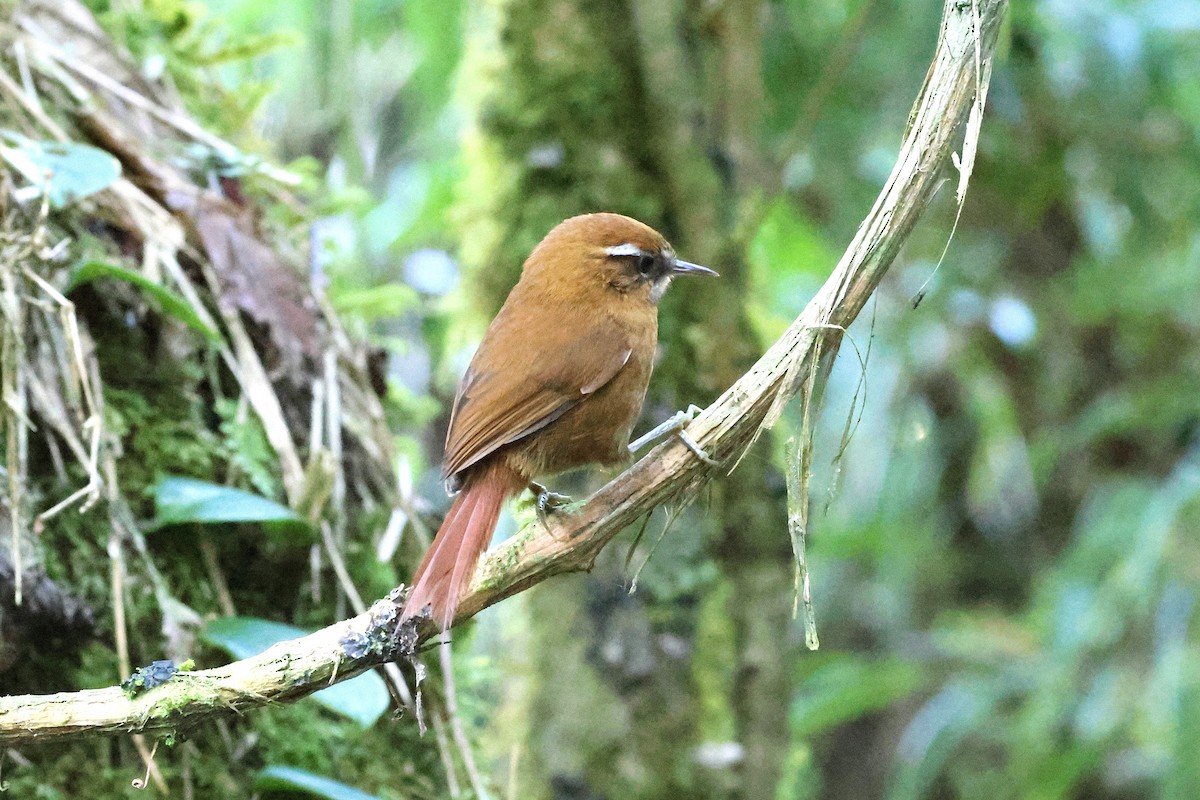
x=676, y=425
x=548, y=503
x=696, y=449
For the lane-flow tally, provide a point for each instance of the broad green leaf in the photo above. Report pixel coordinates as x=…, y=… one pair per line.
x=846, y=688
x=171, y=303
x=182, y=500
x=290, y=779
x=363, y=699
x=68, y=171
x=982, y=635
x=935, y=732
x=376, y=302
x=243, y=637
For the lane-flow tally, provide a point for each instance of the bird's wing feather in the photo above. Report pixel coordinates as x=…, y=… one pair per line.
x=519, y=383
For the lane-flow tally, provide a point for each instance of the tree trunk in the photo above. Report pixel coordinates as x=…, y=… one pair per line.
x=574, y=114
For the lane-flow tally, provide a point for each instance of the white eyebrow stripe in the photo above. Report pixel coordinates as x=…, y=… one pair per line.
x=627, y=249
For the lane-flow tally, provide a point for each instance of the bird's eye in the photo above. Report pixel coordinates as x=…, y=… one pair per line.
x=645, y=264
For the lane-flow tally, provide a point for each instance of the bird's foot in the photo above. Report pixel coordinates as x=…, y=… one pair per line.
x=676, y=425
x=547, y=503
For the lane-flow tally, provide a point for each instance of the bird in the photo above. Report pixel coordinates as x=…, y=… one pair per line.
x=557, y=382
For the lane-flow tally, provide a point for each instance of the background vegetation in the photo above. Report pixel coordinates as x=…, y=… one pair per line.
x=1004, y=559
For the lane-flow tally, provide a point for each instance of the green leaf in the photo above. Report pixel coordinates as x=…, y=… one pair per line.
x=290, y=779
x=847, y=688
x=377, y=302
x=363, y=699
x=246, y=446
x=66, y=170
x=243, y=637
x=789, y=253
x=1183, y=769
x=171, y=303
x=182, y=500
x=936, y=731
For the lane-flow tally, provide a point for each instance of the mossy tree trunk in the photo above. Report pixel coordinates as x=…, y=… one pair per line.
x=649, y=109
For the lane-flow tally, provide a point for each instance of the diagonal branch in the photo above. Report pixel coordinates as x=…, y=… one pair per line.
x=954, y=89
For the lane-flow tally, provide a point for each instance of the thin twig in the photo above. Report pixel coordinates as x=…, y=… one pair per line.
x=120, y=628
x=79, y=377
x=439, y=733
x=333, y=432
x=212, y=565
x=456, y=728
x=514, y=761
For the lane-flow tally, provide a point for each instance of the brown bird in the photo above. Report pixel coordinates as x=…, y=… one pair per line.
x=557, y=383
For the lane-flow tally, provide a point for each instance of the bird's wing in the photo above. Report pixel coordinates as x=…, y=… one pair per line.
x=523, y=378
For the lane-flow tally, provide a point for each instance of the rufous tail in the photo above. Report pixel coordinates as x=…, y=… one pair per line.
x=449, y=563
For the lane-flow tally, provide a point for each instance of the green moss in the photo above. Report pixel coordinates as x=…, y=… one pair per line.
x=184, y=691
x=160, y=431
x=509, y=556
x=714, y=665
x=244, y=444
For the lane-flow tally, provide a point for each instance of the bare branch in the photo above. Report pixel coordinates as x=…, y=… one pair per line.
x=726, y=429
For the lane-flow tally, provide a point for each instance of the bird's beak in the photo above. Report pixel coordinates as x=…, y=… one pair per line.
x=688, y=268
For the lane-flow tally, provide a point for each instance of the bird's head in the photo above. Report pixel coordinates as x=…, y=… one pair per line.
x=611, y=252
